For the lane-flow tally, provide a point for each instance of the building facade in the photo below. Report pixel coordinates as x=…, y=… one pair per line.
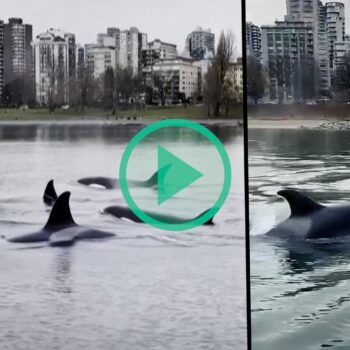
x=235, y=77
x=288, y=55
x=129, y=49
x=80, y=55
x=53, y=66
x=180, y=75
x=155, y=50
x=335, y=27
x=341, y=64
x=18, y=60
x=253, y=40
x=303, y=10
x=200, y=43
x=99, y=58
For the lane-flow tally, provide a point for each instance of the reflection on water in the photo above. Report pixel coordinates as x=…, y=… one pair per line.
x=145, y=289
x=300, y=290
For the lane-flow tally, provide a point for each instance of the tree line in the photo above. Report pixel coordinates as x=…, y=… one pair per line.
x=303, y=80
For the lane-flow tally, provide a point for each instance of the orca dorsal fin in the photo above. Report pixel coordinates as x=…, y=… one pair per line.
x=299, y=203
x=50, y=194
x=60, y=213
x=210, y=221
x=153, y=180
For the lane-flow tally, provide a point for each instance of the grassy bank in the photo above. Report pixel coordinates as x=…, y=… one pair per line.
x=189, y=112
x=327, y=111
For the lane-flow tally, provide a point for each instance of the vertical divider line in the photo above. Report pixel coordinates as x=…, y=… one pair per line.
x=246, y=174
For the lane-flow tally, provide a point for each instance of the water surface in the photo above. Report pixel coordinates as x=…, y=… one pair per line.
x=146, y=289
x=300, y=291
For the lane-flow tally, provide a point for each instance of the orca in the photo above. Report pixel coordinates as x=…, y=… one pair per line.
x=50, y=194
x=126, y=213
x=310, y=220
x=60, y=228
x=110, y=183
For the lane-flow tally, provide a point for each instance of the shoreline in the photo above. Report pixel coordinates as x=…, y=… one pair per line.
x=297, y=123
x=99, y=121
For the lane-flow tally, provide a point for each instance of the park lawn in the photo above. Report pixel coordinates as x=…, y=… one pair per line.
x=153, y=112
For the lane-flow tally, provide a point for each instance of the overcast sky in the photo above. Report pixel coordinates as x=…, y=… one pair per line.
x=168, y=20
x=265, y=12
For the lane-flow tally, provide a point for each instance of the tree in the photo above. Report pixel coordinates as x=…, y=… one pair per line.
x=127, y=85
x=341, y=79
x=255, y=79
x=163, y=84
x=231, y=92
x=86, y=86
x=108, y=89
x=215, y=78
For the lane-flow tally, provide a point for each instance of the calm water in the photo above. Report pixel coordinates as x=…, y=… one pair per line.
x=146, y=289
x=300, y=291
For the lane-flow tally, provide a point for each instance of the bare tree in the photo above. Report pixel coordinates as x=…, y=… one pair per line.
x=163, y=85
x=256, y=80
x=215, y=79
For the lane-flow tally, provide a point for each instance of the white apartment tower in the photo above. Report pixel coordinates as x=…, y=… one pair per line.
x=52, y=65
x=335, y=27
x=253, y=40
x=129, y=49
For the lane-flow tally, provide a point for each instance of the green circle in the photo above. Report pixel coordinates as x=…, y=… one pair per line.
x=191, y=223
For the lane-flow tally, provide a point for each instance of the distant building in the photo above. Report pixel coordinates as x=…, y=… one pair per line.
x=303, y=10
x=341, y=62
x=80, y=55
x=106, y=40
x=314, y=13
x=288, y=54
x=335, y=27
x=181, y=75
x=129, y=49
x=18, y=56
x=54, y=65
x=235, y=74
x=253, y=40
x=200, y=43
x=203, y=66
x=154, y=51
x=98, y=58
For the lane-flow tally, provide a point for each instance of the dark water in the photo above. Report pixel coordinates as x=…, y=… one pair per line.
x=300, y=291
x=146, y=289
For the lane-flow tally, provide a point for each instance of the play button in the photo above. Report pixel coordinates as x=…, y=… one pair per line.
x=175, y=175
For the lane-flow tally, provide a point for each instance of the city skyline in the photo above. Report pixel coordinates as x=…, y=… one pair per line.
x=277, y=10
x=87, y=19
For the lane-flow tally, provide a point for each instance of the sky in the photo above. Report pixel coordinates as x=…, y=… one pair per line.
x=265, y=12
x=168, y=20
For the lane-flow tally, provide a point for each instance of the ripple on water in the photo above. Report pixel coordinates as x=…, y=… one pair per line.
x=300, y=295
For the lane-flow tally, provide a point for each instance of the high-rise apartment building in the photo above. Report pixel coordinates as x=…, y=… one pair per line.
x=53, y=51
x=80, y=55
x=253, y=40
x=335, y=27
x=129, y=49
x=303, y=10
x=18, y=55
x=200, y=43
x=288, y=54
x=323, y=78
